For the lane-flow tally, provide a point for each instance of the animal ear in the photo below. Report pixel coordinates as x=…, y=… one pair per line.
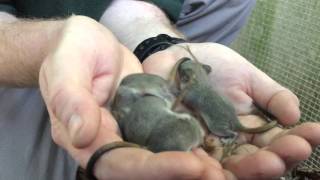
x=207, y=68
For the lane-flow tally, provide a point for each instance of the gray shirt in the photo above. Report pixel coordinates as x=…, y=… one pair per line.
x=27, y=151
x=214, y=20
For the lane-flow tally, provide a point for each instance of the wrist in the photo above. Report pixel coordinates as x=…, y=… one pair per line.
x=155, y=44
x=162, y=62
x=134, y=21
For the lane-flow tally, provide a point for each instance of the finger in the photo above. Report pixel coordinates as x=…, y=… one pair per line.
x=72, y=110
x=276, y=99
x=68, y=98
x=291, y=149
x=245, y=149
x=229, y=175
x=309, y=131
x=203, y=171
x=108, y=132
x=211, y=166
x=259, y=165
x=77, y=110
x=142, y=164
x=285, y=106
x=259, y=139
x=71, y=92
x=204, y=157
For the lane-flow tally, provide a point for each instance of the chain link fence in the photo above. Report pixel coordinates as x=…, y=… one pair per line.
x=282, y=38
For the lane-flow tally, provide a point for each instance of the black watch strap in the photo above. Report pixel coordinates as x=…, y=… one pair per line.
x=155, y=44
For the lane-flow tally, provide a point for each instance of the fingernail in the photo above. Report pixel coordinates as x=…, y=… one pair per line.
x=74, y=125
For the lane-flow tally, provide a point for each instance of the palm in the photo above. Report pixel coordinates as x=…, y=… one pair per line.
x=234, y=77
x=245, y=85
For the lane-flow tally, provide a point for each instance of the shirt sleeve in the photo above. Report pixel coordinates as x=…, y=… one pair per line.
x=60, y=8
x=7, y=7
x=172, y=7
x=91, y=8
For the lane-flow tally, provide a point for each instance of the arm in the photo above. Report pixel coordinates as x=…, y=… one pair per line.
x=24, y=45
x=140, y=19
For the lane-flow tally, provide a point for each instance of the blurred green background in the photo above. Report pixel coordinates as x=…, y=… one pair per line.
x=282, y=38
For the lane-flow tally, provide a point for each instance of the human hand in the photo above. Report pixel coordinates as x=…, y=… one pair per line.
x=245, y=86
x=77, y=78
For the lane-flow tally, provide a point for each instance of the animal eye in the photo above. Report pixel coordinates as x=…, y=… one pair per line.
x=186, y=75
x=184, y=78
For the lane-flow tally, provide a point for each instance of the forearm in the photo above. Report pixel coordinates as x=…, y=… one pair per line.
x=134, y=21
x=24, y=45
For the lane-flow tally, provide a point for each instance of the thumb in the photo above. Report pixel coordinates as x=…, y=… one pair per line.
x=67, y=94
x=78, y=111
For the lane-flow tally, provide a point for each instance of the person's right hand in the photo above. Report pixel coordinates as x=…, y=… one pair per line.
x=77, y=79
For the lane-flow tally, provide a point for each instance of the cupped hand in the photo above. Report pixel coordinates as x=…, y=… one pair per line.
x=77, y=79
x=265, y=156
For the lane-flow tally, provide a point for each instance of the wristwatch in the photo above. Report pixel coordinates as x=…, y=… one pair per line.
x=155, y=44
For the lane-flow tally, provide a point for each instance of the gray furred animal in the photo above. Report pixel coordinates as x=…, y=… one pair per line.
x=215, y=110
x=136, y=86
x=142, y=107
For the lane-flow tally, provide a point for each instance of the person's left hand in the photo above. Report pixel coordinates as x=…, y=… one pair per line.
x=270, y=154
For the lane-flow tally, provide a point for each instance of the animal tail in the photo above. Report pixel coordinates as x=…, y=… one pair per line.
x=260, y=129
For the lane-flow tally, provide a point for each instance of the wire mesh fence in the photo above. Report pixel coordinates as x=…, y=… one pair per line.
x=282, y=38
